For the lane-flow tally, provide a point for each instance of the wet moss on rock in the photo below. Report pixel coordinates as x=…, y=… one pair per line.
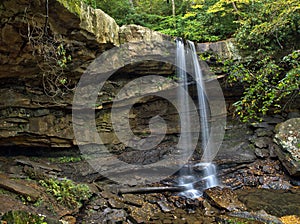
x=22, y=217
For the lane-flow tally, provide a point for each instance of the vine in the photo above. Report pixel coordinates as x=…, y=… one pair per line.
x=51, y=53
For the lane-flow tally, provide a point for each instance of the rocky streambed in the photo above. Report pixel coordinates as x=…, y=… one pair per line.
x=59, y=186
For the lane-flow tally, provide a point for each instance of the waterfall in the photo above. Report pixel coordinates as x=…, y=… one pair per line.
x=210, y=169
x=187, y=176
x=185, y=120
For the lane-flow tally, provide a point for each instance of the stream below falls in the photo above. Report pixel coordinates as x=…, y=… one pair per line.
x=252, y=189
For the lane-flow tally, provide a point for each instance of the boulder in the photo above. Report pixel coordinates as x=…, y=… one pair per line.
x=224, y=198
x=20, y=187
x=136, y=33
x=236, y=148
x=258, y=217
x=224, y=49
x=288, y=138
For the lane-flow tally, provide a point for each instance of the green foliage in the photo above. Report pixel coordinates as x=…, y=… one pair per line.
x=267, y=83
x=196, y=24
x=192, y=21
x=67, y=192
x=66, y=159
x=266, y=31
x=22, y=217
x=62, y=58
x=118, y=9
x=268, y=34
x=26, y=199
x=269, y=26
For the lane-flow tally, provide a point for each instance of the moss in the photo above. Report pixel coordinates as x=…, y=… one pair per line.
x=66, y=159
x=22, y=217
x=74, y=6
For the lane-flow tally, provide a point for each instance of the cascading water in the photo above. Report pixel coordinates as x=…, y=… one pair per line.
x=210, y=169
x=189, y=179
x=186, y=178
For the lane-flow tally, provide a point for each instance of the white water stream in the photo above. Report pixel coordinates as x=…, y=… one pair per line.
x=188, y=177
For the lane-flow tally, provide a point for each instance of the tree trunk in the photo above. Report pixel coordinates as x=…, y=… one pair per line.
x=173, y=8
x=235, y=7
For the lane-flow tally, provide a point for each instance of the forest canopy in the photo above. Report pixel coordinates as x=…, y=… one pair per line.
x=266, y=31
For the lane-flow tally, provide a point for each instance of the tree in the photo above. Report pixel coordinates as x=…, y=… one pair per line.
x=173, y=8
x=269, y=35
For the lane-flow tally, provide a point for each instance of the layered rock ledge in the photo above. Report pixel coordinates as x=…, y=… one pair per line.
x=43, y=54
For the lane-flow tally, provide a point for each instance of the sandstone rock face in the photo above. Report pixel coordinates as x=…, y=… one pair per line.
x=288, y=138
x=134, y=33
x=224, y=49
x=41, y=62
x=83, y=31
x=38, y=79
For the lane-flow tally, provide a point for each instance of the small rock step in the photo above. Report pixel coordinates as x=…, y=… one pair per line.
x=19, y=187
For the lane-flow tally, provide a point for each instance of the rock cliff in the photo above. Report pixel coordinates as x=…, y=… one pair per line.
x=44, y=50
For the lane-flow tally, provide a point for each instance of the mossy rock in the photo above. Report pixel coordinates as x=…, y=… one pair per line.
x=22, y=217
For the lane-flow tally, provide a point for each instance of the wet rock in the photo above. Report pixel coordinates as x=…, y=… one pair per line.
x=226, y=219
x=235, y=153
x=98, y=204
x=264, y=125
x=9, y=203
x=262, y=142
x=273, y=120
x=251, y=180
x=165, y=206
x=178, y=201
x=113, y=200
x=288, y=138
x=275, y=202
x=144, y=213
x=273, y=149
x=115, y=204
x=114, y=216
x=235, y=148
x=263, y=132
x=96, y=207
x=267, y=169
x=34, y=173
x=261, y=216
x=293, y=114
x=265, y=173
x=224, y=198
x=261, y=153
x=209, y=210
x=19, y=187
x=277, y=184
x=108, y=195
x=25, y=168
x=134, y=200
